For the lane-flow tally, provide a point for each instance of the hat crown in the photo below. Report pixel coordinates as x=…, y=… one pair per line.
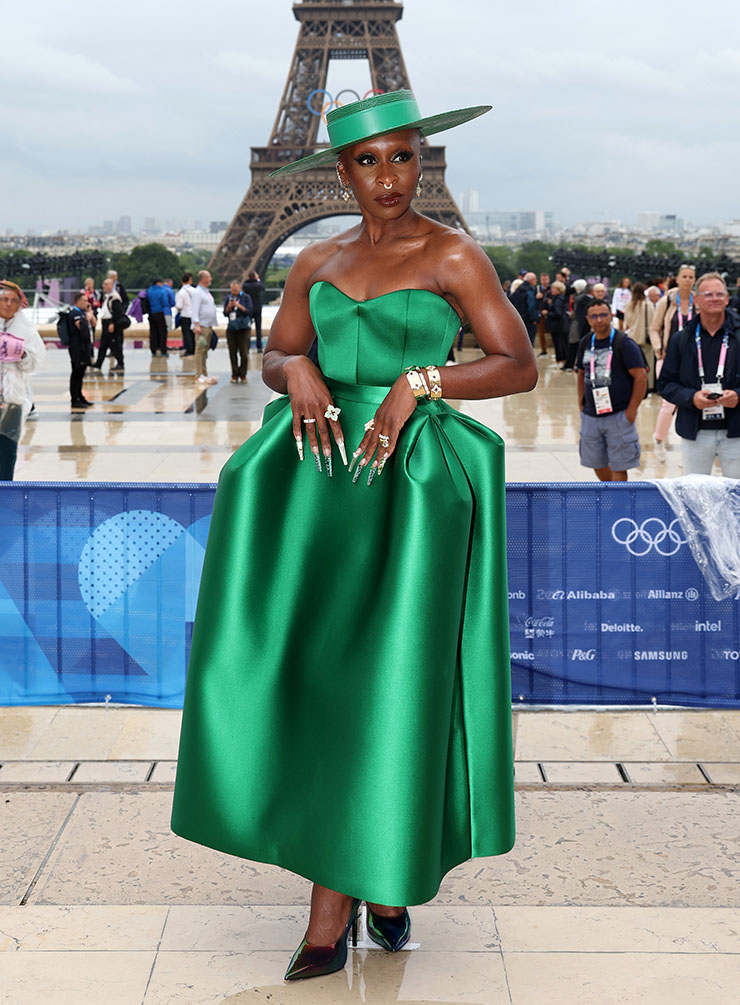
x=382, y=113
x=387, y=98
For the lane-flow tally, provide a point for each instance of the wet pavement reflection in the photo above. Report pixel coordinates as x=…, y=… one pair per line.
x=156, y=423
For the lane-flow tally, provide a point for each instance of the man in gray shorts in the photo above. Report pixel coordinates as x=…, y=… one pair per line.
x=611, y=384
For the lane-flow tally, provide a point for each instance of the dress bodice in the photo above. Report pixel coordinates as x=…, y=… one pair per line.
x=371, y=341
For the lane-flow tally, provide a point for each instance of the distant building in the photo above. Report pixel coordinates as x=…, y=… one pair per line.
x=124, y=225
x=218, y=226
x=470, y=201
x=150, y=225
x=648, y=221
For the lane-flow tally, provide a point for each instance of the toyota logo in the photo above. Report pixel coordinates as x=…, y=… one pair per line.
x=651, y=533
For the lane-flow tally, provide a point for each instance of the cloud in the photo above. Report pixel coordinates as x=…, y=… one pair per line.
x=154, y=113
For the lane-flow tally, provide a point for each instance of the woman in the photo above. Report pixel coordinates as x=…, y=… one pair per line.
x=671, y=314
x=347, y=713
x=557, y=321
x=93, y=298
x=638, y=315
x=581, y=299
x=21, y=353
x=620, y=299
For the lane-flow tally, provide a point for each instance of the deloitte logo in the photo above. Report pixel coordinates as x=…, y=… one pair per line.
x=651, y=534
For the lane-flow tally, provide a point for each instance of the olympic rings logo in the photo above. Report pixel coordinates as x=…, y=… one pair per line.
x=651, y=533
x=332, y=103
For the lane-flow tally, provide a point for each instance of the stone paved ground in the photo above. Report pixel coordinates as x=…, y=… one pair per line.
x=623, y=886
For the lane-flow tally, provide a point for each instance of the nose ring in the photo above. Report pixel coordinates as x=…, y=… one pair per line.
x=388, y=186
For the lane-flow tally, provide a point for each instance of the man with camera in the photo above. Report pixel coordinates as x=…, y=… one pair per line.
x=701, y=375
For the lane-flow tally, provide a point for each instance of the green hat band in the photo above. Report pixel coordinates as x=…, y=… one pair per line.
x=357, y=124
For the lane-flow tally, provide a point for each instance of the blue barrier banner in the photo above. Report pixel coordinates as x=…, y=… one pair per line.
x=99, y=583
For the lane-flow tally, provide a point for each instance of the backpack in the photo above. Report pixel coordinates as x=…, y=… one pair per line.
x=619, y=337
x=63, y=324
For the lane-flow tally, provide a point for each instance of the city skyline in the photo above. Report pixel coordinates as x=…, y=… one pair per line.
x=592, y=123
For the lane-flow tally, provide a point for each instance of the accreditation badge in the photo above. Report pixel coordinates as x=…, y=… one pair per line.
x=602, y=400
x=714, y=412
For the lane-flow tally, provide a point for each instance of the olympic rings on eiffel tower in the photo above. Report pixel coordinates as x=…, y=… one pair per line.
x=333, y=102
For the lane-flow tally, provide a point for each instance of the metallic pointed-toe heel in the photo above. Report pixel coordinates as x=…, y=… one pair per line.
x=390, y=933
x=315, y=961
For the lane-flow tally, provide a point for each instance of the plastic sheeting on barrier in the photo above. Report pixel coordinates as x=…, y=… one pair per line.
x=98, y=586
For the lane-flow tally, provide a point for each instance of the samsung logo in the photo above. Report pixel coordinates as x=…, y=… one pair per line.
x=661, y=654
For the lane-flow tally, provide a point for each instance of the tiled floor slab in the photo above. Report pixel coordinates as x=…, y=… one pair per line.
x=724, y=774
x=35, y=771
x=664, y=773
x=134, y=928
x=164, y=771
x=118, y=849
x=527, y=773
x=618, y=929
x=713, y=736
x=590, y=736
x=29, y=822
x=241, y=929
x=22, y=728
x=622, y=979
x=582, y=772
x=112, y=771
x=75, y=734
x=618, y=847
x=148, y=733
x=85, y=979
x=380, y=978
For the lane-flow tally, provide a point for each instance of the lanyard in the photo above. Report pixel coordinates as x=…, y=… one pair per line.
x=722, y=355
x=608, y=371
x=690, y=315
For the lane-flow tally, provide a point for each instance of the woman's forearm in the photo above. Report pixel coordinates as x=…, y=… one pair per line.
x=275, y=366
x=492, y=376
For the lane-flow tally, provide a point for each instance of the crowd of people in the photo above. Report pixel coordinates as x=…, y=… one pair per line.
x=678, y=336
x=191, y=310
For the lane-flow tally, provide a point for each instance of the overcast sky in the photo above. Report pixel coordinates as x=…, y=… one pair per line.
x=149, y=109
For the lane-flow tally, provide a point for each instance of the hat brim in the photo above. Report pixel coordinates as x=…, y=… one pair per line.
x=428, y=127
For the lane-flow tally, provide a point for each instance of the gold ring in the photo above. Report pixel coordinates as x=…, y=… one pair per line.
x=385, y=441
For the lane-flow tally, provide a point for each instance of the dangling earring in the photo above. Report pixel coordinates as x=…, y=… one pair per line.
x=344, y=192
x=418, y=184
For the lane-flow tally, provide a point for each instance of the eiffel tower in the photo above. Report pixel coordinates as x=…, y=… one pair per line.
x=272, y=210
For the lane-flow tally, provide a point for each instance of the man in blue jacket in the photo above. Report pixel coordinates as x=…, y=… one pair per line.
x=701, y=375
x=157, y=327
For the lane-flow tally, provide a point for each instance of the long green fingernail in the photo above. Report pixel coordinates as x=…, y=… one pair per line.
x=373, y=472
x=329, y=468
x=317, y=458
x=358, y=472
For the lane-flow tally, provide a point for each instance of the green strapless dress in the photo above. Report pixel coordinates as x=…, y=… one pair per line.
x=348, y=704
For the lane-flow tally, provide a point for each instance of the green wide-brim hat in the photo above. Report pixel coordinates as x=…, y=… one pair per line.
x=392, y=112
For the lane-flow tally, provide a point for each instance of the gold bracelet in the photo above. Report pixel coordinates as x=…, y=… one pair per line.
x=435, y=382
x=415, y=382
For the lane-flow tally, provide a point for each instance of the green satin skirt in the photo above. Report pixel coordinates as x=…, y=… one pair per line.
x=348, y=704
